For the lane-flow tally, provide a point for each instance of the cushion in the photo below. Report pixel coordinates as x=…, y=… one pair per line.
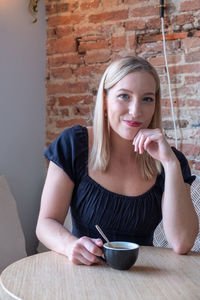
x=160, y=240
x=12, y=242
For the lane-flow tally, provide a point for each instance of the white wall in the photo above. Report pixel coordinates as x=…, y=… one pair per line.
x=22, y=109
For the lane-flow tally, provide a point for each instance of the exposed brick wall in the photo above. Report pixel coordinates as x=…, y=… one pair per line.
x=84, y=36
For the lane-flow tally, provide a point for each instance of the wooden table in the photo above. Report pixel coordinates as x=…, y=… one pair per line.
x=159, y=273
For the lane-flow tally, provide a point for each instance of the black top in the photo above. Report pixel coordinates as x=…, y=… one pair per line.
x=121, y=217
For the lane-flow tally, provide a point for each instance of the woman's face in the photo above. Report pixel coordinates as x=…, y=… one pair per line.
x=131, y=104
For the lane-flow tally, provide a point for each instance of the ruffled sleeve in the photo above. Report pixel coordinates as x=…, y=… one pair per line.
x=69, y=151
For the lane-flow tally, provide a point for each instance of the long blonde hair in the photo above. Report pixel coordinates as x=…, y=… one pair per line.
x=100, y=152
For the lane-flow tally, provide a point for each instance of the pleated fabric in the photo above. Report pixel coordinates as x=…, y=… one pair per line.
x=121, y=217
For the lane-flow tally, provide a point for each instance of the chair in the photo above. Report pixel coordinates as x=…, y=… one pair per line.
x=160, y=240
x=12, y=242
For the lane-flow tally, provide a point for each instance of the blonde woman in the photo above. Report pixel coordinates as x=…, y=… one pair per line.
x=120, y=174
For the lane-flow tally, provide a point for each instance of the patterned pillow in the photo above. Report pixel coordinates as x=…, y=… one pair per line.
x=160, y=240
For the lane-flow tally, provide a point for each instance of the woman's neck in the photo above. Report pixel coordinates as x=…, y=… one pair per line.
x=121, y=149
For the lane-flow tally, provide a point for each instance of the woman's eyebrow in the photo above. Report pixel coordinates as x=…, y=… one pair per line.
x=125, y=90
x=129, y=91
x=149, y=93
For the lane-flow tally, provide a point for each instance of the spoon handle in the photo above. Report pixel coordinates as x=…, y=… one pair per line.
x=102, y=234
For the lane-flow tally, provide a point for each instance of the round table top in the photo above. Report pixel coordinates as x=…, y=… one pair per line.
x=158, y=273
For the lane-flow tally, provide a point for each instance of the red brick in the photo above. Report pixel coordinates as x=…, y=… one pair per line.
x=197, y=33
x=180, y=102
x=80, y=30
x=132, y=41
x=192, y=79
x=145, y=11
x=160, y=60
x=156, y=37
x=97, y=56
x=190, y=149
x=85, y=99
x=133, y=2
x=50, y=102
x=61, y=45
x=77, y=88
x=190, y=43
x=59, y=8
x=53, y=89
x=60, y=61
x=89, y=5
x=183, y=91
x=177, y=102
x=192, y=103
x=135, y=25
x=118, y=42
x=70, y=88
x=63, y=31
x=69, y=123
x=59, y=32
x=196, y=165
x=109, y=16
x=64, y=112
x=155, y=23
x=51, y=136
x=193, y=57
x=64, y=20
x=168, y=124
x=181, y=69
x=111, y=3
x=183, y=19
x=84, y=70
x=61, y=73
x=83, y=47
x=155, y=47
x=190, y=5
x=166, y=112
x=92, y=38
x=173, y=36
x=81, y=110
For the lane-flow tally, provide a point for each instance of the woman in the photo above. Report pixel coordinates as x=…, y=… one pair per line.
x=121, y=174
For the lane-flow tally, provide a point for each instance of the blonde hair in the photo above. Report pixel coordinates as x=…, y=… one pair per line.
x=100, y=152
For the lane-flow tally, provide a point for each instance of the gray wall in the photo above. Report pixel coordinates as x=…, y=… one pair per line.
x=22, y=109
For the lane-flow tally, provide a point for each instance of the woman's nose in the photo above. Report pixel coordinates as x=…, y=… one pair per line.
x=135, y=109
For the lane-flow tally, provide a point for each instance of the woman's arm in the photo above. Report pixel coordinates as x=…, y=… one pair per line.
x=180, y=220
x=56, y=198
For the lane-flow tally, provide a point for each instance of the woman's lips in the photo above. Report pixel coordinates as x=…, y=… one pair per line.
x=132, y=123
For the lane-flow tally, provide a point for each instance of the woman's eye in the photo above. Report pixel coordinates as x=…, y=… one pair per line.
x=123, y=96
x=148, y=99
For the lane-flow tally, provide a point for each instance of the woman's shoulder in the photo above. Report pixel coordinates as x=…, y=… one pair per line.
x=69, y=151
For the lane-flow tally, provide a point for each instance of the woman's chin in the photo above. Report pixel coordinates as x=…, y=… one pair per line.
x=128, y=137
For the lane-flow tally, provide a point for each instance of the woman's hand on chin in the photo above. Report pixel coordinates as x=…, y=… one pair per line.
x=154, y=142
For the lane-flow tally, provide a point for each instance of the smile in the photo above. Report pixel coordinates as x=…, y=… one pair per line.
x=132, y=123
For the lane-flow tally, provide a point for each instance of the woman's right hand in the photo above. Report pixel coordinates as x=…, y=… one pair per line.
x=84, y=251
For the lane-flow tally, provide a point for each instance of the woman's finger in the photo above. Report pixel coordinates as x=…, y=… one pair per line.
x=141, y=142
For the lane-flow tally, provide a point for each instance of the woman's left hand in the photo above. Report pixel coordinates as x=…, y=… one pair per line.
x=154, y=142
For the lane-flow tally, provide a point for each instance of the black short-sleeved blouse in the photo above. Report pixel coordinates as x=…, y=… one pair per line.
x=120, y=217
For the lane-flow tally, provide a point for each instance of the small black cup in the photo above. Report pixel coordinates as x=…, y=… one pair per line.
x=120, y=255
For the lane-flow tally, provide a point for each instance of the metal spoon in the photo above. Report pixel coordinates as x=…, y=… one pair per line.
x=102, y=234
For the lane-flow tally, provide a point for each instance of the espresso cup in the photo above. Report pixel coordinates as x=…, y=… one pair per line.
x=120, y=255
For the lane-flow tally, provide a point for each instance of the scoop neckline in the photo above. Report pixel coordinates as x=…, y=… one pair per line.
x=105, y=189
